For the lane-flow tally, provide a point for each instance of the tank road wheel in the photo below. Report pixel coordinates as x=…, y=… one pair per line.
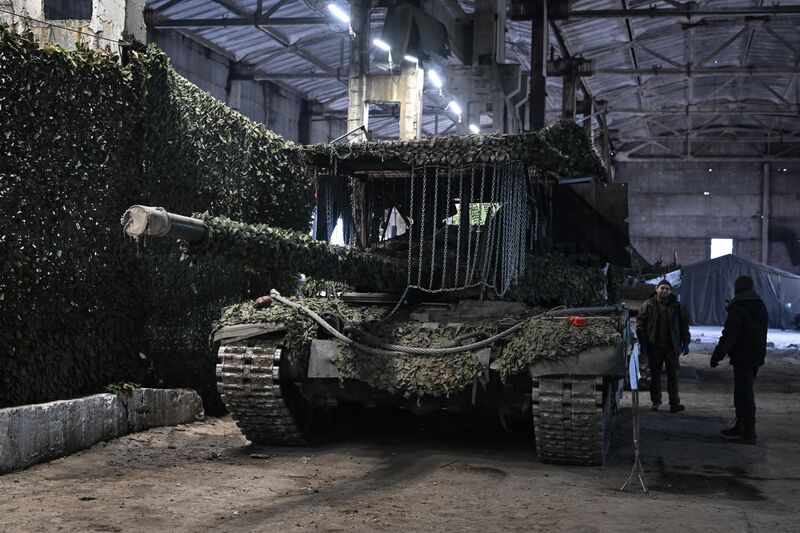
x=266, y=409
x=572, y=424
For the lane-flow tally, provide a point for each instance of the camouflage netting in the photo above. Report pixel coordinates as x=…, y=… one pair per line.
x=570, y=139
x=561, y=148
x=266, y=249
x=70, y=159
x=82, y=138
x=403, y=374
x=409, y=375
x=201, y=155
x=300, y=329
x=555, y=338
x=550, y=280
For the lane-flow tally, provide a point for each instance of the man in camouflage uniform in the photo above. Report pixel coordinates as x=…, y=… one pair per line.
x=663, y=330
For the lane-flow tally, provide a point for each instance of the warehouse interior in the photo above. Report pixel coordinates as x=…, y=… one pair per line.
x=650, y=138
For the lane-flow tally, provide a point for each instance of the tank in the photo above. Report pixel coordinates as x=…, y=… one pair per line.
x=446, y=293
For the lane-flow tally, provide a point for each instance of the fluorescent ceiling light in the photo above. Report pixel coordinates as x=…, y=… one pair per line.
x=411, y=58
x=453, y=105
x=474, y=129
x=383, y=45
x=339, y=13
x=435, y=79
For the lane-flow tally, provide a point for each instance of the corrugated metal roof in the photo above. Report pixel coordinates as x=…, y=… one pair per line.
x=736, y=42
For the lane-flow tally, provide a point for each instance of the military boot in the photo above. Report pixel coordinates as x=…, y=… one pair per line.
x=734, y=431
x=747, y=436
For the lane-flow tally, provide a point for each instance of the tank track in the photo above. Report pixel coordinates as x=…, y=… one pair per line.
x=570, y=419
x=249, y=381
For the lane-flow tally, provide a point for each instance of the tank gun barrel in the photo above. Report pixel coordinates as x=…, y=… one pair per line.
x=268, y=249
x=141, y=220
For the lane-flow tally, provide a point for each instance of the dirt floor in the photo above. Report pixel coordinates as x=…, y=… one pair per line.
x=388, y=471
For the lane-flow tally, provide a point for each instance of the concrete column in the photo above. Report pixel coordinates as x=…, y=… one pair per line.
x=568, y=96
x=587, y=122
x=304, y=123
x=134, y=21
x=538, y=93
x=357, y=107
x=765, y=214
x=234, y=96
x=412, y=80
x=408, y=92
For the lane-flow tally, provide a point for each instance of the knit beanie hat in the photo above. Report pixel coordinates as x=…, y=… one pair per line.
x=742, y=283
x=664, y=282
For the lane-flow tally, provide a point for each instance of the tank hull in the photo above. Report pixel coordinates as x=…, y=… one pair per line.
x=571, y=401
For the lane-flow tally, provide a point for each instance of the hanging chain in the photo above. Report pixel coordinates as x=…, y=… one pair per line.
x=422, y=224
x=460, y=216
x=434, y=223
x=481, y=218
x=467, y=272
x=410, y=227
x=490, y=239
x=446, y=231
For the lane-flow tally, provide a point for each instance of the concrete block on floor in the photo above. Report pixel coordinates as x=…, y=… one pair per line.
x=149, y=408
x=31, y=434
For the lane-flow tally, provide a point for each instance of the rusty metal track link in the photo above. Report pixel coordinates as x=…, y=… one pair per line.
x=568, y=419
x=248, y=379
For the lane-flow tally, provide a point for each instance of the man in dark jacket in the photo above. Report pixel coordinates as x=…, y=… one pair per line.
x=744, y=340
x=663, y=330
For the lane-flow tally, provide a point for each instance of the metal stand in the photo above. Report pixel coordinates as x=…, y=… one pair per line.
x=637, y=469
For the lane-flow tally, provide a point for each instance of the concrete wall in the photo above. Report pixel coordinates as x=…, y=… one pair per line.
x=668, y=211
x=108, y=20
x=261, y=101
x=326, y=130
x=31, y=434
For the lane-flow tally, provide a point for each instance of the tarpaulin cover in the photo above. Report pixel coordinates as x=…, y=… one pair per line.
x=706, y=287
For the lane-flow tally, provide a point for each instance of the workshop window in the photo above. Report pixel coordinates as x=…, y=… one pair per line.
x=720, y=247
x=68, y=9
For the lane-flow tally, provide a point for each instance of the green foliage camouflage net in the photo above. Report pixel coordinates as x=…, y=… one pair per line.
x=263, y=249
x=555, y=338
x=201, y=156
x=550, y=280
x=82, y=138
x=403, y=374
x=415, y=376
x=70, y=159
x=561, y=148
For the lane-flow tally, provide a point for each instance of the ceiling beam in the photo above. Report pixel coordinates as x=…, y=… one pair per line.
x=687, y=71
x=686, y=12
x=672, y=30
x=167, y=5
x=161, y=23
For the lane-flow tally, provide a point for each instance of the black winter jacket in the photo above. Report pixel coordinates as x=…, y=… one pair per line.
x=744, y=337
